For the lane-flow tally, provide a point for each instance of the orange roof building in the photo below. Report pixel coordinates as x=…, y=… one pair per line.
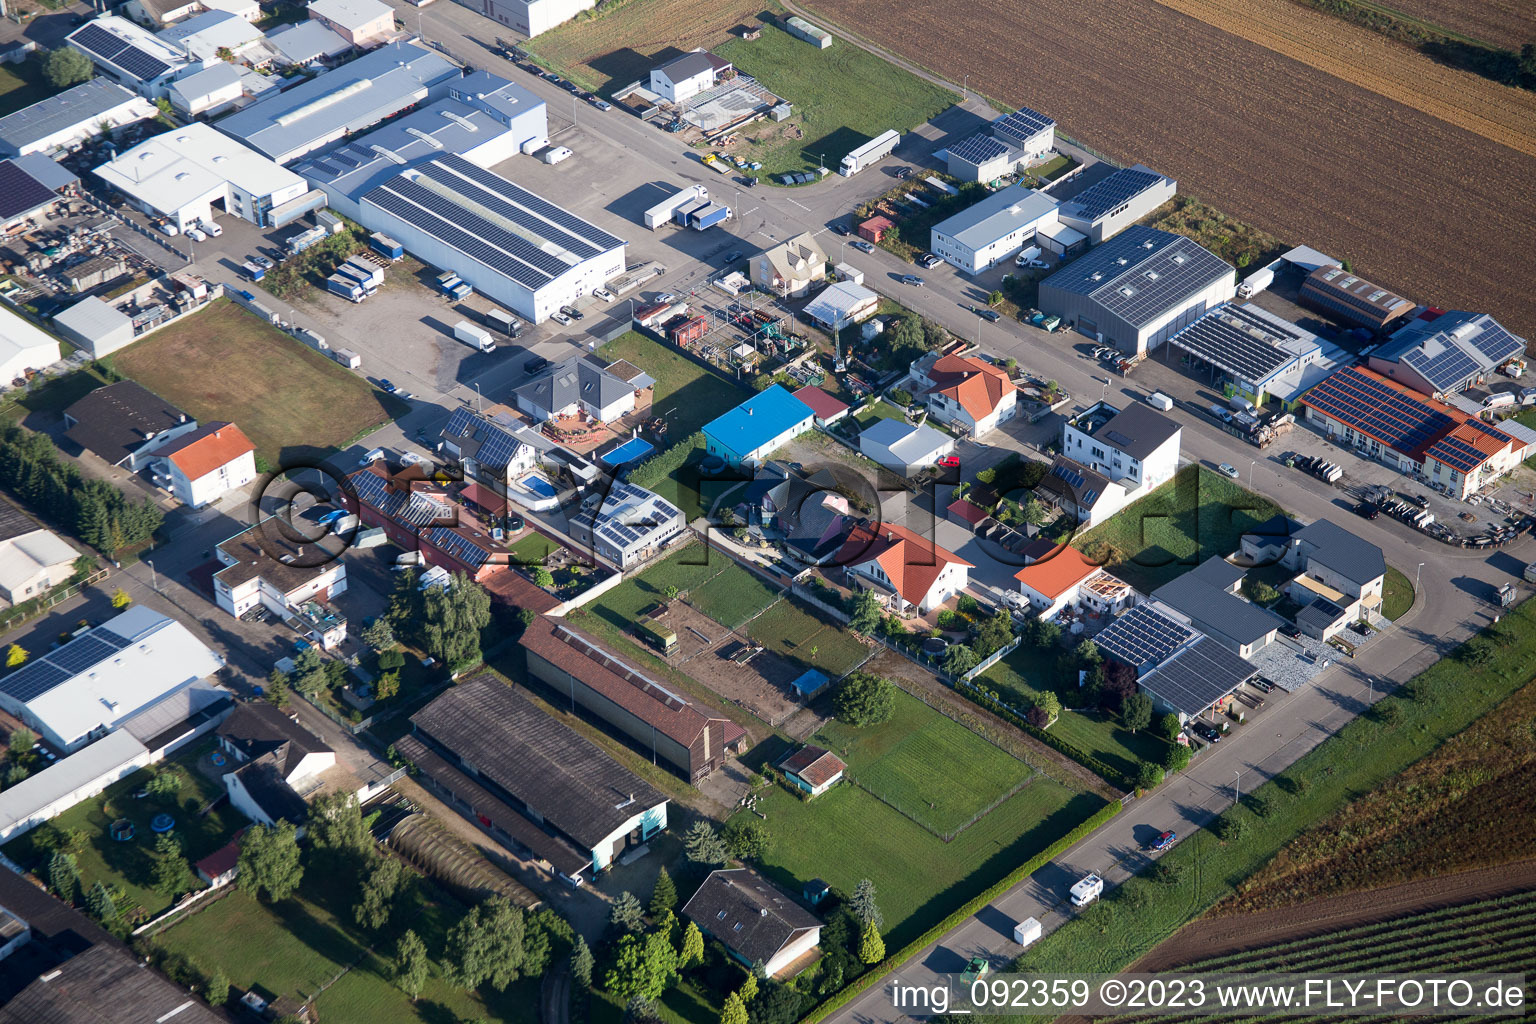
x=914, y=569
x=970, y=394
x=202, y=466
x=1066, y=577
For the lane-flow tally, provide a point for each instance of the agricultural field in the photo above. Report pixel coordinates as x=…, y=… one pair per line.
x=1505, y=23
x=911, y=762
x=1276, y=158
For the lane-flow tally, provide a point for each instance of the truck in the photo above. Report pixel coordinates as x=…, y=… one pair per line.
x=340, y=284
x=371, y=274
x=474, y=337
x=1087, y=890
x=683, y=215
x=1256, y=282
x=501, y=320
x=715, y=164
x=386, y=246
x=661, y=213
x=346, y=357
x=1026, y=931
x=707, y=217
x=254, y=271
x=872, y=152
x=1160, y=401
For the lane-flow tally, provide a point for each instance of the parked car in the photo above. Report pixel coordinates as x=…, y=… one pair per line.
x=534, y=364
x=560, y=318
x=604, y=294
x=1228, y=470
x=572, y=312
x=666, y=297
x=211, y=229
x=550, y=76
x=1163, y=841
x=862, y=245
x=196, y=234
x=600, y=104
x=571, y=87
x=1037, y=265
x=167, y=228
x=912, y=279
x=1206, y=732
x=840, y=228
x=989, y=315
x=1259, y=682
x=1290, y=631
x=732, y=257
x=948, y=462
x=411, y=459
x=387, y=386
x=928, y=260
x=1367, y=510
x=903, y=173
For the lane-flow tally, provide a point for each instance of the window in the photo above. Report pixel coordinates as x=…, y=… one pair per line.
x=720, y=916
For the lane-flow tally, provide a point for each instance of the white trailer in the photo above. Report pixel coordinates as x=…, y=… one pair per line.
x=871, y=152
x=474, y=337
x=1026, y=931
x=661, y=213
x=1087, y=890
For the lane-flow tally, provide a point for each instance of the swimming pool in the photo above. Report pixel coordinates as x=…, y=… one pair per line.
x=540, y=486
x=632, y=450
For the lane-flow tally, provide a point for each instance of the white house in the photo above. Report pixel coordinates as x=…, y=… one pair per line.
x=1065, y=578
x=902, y=448
x=967, y=394
x=293, y=577
x=758, y=427
x=790, y=268
x=33, y=563
x=1012, y=141
x=993, y=229
x=1088, y=495
x=209, y=92
x=754, y=920
x=530, y=17
x=363, y=23
x=1137, y=447
x=576, y=386
x=205, y=36
x=492, y=446
x=913, y=572
x=684, y=77
x=203, y=466
x=278, y=761
x=1330, y=563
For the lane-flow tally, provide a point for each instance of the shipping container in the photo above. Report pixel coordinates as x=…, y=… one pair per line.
x=254, y=271
x=662, y=212
x=340, y=284
x=371, y=274
x=1026, y=931
x=501, y=320
x=386, y=246
x=709, y=216
x=689, y=331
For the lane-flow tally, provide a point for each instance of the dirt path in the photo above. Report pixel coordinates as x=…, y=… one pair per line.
x=1216, y=936
x=926, y=687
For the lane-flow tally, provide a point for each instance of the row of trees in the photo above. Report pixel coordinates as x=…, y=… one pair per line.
x=95, y=511
x=446, y=622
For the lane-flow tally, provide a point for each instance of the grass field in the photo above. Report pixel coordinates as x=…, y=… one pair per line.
x=533, y=549
x=130, y=864
x=54, y=396
x=688, y=568
x=733, y=595
x=793, y=633
x=1021, y=677
x=22, y=85
x=877, y=411
x=932, y=769
x=843, y=96
x=224, y=364
x=1396, y=594
x=1197, y=514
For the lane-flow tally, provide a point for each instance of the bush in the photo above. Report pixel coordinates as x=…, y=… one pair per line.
x=864, y=699
x=1148, y=775
x=1177, y=758
x=1168, y=726
x=1231, y=828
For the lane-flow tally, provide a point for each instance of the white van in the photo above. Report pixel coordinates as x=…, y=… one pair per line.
x=555, y=154
x=1500, y=400
x=212, y=229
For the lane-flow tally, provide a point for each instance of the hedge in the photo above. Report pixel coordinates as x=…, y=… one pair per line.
x=875, y=974
x=659, y=467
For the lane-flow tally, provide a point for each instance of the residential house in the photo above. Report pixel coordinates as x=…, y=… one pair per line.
x=160, y=13
x=212, y=35
x=420, y=515
x=201, y=467
x=912, y=571
x=541, y=789
x=902, y=448
x=790, y=268
x=1332, y=565
x=490, y=447
x=754, y=920
x=363, y=23
x=1208, y=597
x=689, y=738
x=827, y=409
x=32, y=562
x=685, y=76
x=1184, y=671
x=124, y=423
x=1065, y=578
x=813, y=769
x=1137, y=447
x=968, y=394
x=576, y=386
x=273, y=566
x=627, y=524
x=757, y=427
x=278, y=759
x=811, y=513
x=1087, y=495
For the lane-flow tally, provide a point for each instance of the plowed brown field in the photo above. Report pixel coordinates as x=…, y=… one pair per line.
x=1506, y=23
x=1421, y=205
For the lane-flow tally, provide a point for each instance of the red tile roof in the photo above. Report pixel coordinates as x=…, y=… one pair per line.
x=975, y=384
x=207, y=448
x=223, y=859
x=912, y=563
x=971, y=513
x=1057, y=572
x=815, y=765
x=822, y=404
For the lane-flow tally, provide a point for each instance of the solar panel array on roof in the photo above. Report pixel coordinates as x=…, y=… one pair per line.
x=1463, y=455
x=1141, y=273
x=1023, y=124
x=57, y=667
x=463, y=548
x=1445, y=367
x=1445, y=362
x=549, y=211
x=141, y=65
x=1115, y=190
x=978, y=149
x=1379, y=411
x=20, y=192
x=1202, y=674
x=100, y=42
x=1236, y=340
x=517, y=214
x=120, y=52
x=1143, y=637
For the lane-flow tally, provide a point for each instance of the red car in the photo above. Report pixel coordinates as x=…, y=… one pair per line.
x=949, y=461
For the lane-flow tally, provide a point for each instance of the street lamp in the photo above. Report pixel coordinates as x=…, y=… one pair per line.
x=1416, y=579
x=1237, y=795
x=1251, y=464
x=154, y=581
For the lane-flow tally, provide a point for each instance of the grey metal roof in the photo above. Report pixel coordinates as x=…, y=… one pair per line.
x=1356, y=560
x=81, y=104
x=43, y=168
x=984, y=222
x=104, y=985
x=1247, y=341
x=196, y=86
x=506, y=97
x=687, y=66
x=1141, y=273
x=575, y=380
x=1215, y=610
x=557, y=773
x=1219, y=573
x=1137, y=430
x=750, y=915
x=92, y=318
x=447, y=126
x=909, y=444
x=1198, y=676
x=306, y=41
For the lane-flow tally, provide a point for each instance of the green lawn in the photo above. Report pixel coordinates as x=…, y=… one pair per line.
x=688, y=568
x=532, y=549
x=686, y=395
x=1054, y=168
x=877, y=411
x=22, y=85
x=129, y=865
x=54, y=396
x=733, y=595
x=845, y=835
x=223, y=363
x=843, y=96
x=295, y=947
x=917, y=761
x=1021, y=677
x=810, y=641
x=1396, y=594
x=1199, y=513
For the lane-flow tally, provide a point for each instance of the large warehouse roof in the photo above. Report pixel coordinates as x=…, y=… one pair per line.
x=181, y=165
x=1000, y=213
x=491, y=220
x=1141, y=273
x=347, y=99
x=23, y=346
x=1115, y=191
x=1453, y=349
x=1246, y=341
x=83, y=104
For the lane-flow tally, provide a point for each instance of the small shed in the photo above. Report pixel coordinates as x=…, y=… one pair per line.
x=221, y=866
x=965, y=514
x=813, y=769
x=781, y=111
x=811, y=683
x=875, y=228
x=815, y=891
x=846, y=272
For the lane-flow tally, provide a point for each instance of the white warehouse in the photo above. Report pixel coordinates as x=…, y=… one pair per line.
x=988, y=232
x=1013, y=141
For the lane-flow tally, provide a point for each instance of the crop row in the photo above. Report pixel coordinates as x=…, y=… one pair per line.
x=1417, y=942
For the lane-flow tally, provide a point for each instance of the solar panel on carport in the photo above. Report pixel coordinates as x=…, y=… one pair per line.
x=1203, y=673
x=1143, y=637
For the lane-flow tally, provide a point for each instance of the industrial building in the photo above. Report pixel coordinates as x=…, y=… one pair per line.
x=902, y=448
x=530, y=17
x=23, y=347
x=1453, y=450
x=130, y=55
x=1262, y=355
x=304, y=43
x=185, y=173
x=626, y=524
x=209, y=92
x=124, y=423
x=1108, y=207
x=1354, y=300
x=1013, y=141
x=988, y=232
x=343, y=101
x=59, y=123
x=757, y=427
x=24, y=195
x=1446, y=354
x=1139, y=288
x=842, y=304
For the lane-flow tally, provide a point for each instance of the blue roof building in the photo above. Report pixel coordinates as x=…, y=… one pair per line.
x=758, y=426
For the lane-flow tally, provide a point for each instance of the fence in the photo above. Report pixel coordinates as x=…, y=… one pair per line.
x=28, y=610
x=991, y=659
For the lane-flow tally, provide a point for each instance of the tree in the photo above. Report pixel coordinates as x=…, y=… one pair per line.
x=309, y=672
x=15, y=655
x=486, y=945
x=1032, y=511
x=1051, y=705
x=20, y=743
x=452, y=618
x=165, y=785
x=746, y=838
x=994, y=298
x=663, y=894
x=642, y=968
x=1118, y=684
x=777, y=1004
x=387, y=685
x=1148, y=775
x=100, y=903
x=960, y=659
x=1177, y=758
x=269, y=862
x=539, y=931
x=65, y=67
x=864, y=906
x=871, y=945
x=1260, y=592
x=1232, y=829
x=1046, y=634
x=120, y=599
x=173, y=875
x=581, y=960
x=391, y=659
x=702, y=845
x=542, y=577
x=1088, y=654
x=411, y=964
x=749, y=987
x=335, y=824
x=692, y=951
x=216, y=991
x=64, y=877
x=1136, y=712
x=995, y=633
x=626, y=914
x=864, y=699
x=379, y=634
x=1168, y=726
x=378, y=896
x=734, y=1011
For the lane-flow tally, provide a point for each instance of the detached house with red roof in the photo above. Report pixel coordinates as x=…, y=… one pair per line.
x=813, y=769
x=912, y=570
x=965, y=393
x=1065, y=578
x=201, y=467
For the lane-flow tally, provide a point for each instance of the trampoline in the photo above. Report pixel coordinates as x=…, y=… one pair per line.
x=162, y=823
x=218, y=759
x=121, y=830
x=633, y=450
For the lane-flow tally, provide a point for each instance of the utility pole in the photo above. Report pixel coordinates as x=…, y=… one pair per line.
x=154, y=580
x=1237, y=778
x=1416, y=579
x=1251, y=464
